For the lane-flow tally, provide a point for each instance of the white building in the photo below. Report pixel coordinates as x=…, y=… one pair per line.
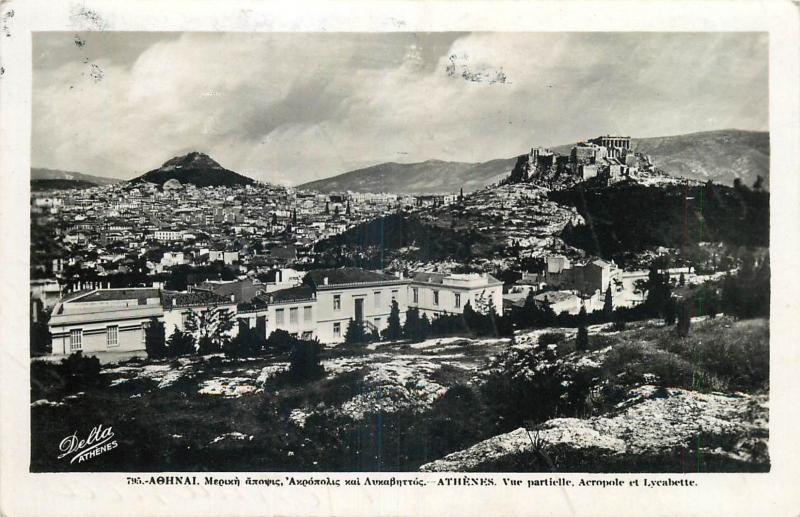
x=167, y=235
x=293, y=310
x=172, y=258
x=104, y=320
x=353, y=293
x=438, y=294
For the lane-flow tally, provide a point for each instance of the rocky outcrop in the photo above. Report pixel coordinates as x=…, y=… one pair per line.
x=651, y=422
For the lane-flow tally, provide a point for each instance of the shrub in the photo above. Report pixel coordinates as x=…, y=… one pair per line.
x=154, y=343
x=304, y=361
x=550, y=338
x=247, y=343
x=180, y=343
x=206, y=345
x=81, y=372
x=355, y=332
x=279, y=341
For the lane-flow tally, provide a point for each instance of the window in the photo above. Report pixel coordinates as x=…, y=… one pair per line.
x=112, y=336
x=337, y=302
x=377, y=299
x=279, y=316
x=184, y=319
x=337, y=329
x=458, y=300
x=76, y=339
x=307, y=314
x=436, y=297
x=293, y=315
x=415, y=292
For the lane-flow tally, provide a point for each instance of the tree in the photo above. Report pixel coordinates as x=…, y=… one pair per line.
x=347, y=211
x=180, y=343
x=211, y=328
x=154, y=342
x=582, y=339
x=682, y=280
x=355, y=332
x=669, y=312
x=424, y=327
x=393, y=330
x=41, y=342
x=658, y=290
x=412, y=329
x=274, y=219
x=247, y=343
x=684, y=319
x=608, y=303
x=759, y=183
x=304, y=361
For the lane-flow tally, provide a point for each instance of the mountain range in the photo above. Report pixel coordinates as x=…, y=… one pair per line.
x=196, y=168
x=43, y=176
x=720, y=156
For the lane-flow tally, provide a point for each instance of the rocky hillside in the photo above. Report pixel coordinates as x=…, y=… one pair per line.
x=195, y=168
x=432, y=176
x=42, y=176
x=639, y=400
x=650, y=424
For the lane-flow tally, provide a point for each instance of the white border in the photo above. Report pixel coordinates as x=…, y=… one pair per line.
x=22, y=493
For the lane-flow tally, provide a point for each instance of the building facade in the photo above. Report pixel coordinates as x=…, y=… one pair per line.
x=104, y=320
x=437, y=294
x=353, y=293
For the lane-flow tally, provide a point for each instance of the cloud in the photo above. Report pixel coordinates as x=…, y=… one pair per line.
x=296, y=107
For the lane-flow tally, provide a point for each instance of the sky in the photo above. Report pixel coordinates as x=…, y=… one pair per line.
x=294, y=107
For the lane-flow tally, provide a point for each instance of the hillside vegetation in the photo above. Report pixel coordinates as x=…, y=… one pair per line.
x=630, y=217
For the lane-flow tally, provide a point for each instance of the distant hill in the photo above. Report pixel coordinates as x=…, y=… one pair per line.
x=720, y=156
x=38, y=173
x=39, y=185
x=432, y=176
x=195, y=168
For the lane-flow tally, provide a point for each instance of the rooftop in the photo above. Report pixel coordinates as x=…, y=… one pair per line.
x=109, y=295
x=194, y=297
x=302, y=292
x=347, y=275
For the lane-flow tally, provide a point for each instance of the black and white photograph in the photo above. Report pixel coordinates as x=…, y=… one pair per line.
x=519, y=252
x=423, y=258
